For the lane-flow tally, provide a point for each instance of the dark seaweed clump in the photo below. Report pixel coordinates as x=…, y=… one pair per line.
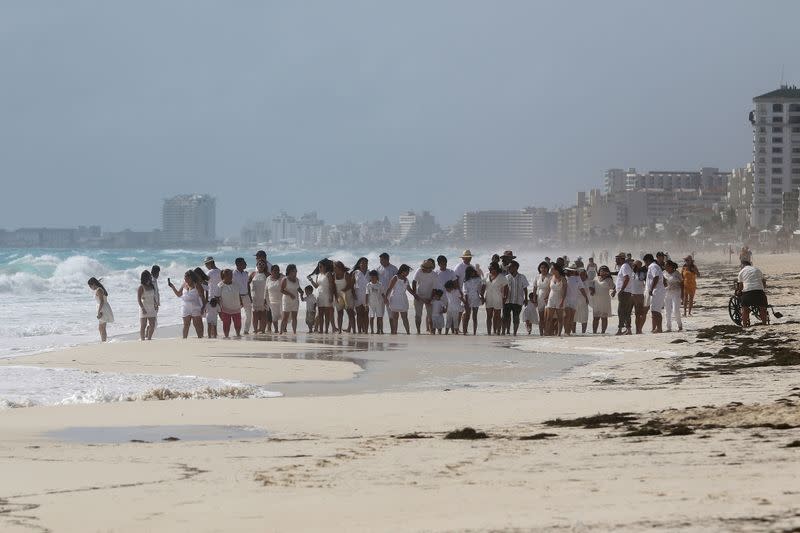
x=744, y=351
x=596, y=421
x=794, y=444
x=414, y=435
x=467, y=433
x=538, y=436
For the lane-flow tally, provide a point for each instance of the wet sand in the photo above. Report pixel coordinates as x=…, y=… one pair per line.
x=696, y=433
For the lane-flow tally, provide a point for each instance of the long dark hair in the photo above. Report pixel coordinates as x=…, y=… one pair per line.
x=358, y=262
x=200, y=275
x=191, y=275
x=95, y=281
x=146, y=279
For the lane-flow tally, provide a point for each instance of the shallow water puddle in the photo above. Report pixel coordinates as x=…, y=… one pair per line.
x=168, y=433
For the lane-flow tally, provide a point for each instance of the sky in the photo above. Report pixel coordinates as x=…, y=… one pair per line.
x=360, y=109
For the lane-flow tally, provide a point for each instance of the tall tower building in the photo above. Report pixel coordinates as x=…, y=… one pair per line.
x=189, y=219
x=776, y=153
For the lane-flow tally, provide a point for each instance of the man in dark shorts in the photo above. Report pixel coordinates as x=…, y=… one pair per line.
x=517, y=297
x=750, y=286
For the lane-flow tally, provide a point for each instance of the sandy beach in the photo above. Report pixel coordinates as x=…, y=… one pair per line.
x=697, y=431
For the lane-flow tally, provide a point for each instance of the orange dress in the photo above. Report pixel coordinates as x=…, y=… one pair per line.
x=689, y=280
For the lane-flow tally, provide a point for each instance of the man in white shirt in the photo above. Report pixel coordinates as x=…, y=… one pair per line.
x=517, y=297
x=386, y=270
x=466, y=260
x=621, y=291
x=750, y=285
x=444, y=274
x=423, y=284
x=241, y=278
x=155, y=271
x=214, y=279
x=636, y=288
x=654, y=291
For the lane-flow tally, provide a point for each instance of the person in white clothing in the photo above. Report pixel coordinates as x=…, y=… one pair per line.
x=212, y=312
x=386, y=270
x=191, y=295
x=674, y=295
x=397, y=300
x=461, y=268
x=530, y=315
x=473, y=289
x=423, y=284
x=324, y=285
x=292, y=294
x=104, y=313
x=275, y=297
x=438, y=308
x=242, y=280
x=444, y=274
x=455, y=304
x=361, y=279
x=155, y=272
x=601, y=289
x=495, y=295
x=750, y=288
x=258, y=292
x=146, y=297
x=576, y=290
x=541, y=292
x=517, y=297
x=375, y=301
x=654, y=290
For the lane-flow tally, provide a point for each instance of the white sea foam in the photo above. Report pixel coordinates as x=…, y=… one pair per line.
x=25, y=386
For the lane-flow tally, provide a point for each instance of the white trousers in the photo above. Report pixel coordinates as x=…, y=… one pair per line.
x=672, y=304
x=247, y=305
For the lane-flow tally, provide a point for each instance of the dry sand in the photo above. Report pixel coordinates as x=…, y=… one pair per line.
x=704, y=446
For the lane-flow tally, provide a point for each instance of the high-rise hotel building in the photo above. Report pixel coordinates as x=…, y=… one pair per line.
x=776, y=153
x=189, y=220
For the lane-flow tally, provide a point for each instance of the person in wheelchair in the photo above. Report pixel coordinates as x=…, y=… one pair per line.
x=750, y=287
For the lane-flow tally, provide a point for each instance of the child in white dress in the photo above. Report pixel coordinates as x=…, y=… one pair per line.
x=530, y=315
x=438, y=308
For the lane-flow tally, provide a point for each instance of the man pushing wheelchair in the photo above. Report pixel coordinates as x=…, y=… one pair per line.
x=750, y=287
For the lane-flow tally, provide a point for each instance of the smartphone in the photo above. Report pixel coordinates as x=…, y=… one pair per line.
x=169, y=282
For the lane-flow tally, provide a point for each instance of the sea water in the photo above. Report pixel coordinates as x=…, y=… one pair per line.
x=49, y=306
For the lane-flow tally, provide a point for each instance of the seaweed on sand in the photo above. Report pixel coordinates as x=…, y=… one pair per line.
x=467, y=433
x=538, y=436
x=596, y=421
x=414, y=435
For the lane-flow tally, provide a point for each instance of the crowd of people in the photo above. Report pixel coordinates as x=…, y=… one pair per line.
x=556, y=301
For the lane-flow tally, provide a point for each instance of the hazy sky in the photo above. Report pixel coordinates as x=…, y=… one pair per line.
x=361, y=109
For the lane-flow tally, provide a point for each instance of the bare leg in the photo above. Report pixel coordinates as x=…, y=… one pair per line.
x=489, y=316
x=351, y=321
x=294, y=321
x=285, y=321
x=151, y=328
x=404, y=316
x=380, y=325
x=605, y=324
x=103, y=334
x=595, y=323
x=198, y=326
x=142, y=328
x=542, y=323
x=187, y=320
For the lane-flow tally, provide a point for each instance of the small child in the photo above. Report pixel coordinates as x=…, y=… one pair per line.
x=375, y=302
x=530, y=314
x=438, y=308
x=311, y=308
x=231, y=304
x=454, y=307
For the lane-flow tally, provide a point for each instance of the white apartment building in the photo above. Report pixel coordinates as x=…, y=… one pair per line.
x=776, y=152
x=189, y=219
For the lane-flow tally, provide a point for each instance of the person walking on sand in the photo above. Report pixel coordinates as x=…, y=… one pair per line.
x=104, y=314
x=242, y=280
x=191, y=303
x=212, y=311
x=654, y=291
x=622, y=292
x=230, y=304
x=423, y=284
x=689, y=273
x=541, y=291
x=397, y=300
x=674, y=295
x=750, y=287
x=146, y=297
x=601, y=299
x=292, y=294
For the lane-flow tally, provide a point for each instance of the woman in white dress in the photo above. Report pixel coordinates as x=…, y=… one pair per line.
x=473, y=288
x=292, y=294
x=360, y=282
x=541, y=292
x=582, y=310
x=554, y=309
x=258, y=289
x=324, y=285
x=495, y=295
x=397, y=300
x=146, y=296
x=343, y=283
x=601, y=289
x=275, y=297
x=104, y=313
x=191, y=295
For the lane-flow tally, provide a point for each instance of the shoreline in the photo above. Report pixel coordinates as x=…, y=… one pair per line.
x=694, y=435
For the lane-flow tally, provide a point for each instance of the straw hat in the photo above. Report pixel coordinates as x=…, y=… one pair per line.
x=509, y=254
x=572, y=266
x=208, y=259
x=466, y=253
x=428, y=263
x=621, y=254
